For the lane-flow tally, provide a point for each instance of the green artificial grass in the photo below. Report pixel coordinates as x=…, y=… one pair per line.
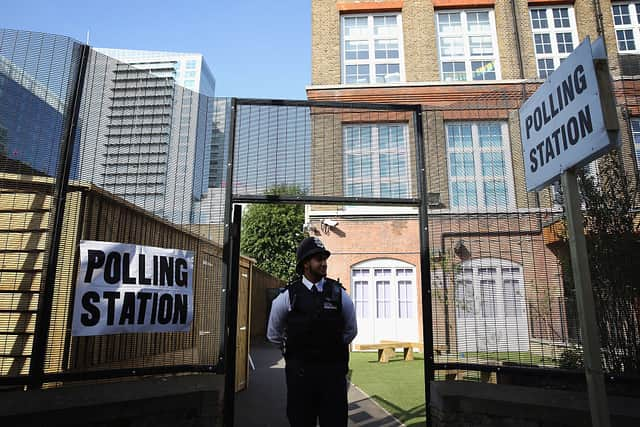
x=523, y=357
x=398, y=386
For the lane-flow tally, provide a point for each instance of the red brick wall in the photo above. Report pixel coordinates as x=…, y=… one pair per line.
x=520, y=241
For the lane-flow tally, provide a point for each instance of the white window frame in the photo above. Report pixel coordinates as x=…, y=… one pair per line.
x=384, y=302
x=375, y=152
x=361, y=302
x=405, y=280
x=556, y=56
x=478, y=178
x=371, y=39
x=633, y=26
x=371, y=267
x=473, y=305
x=635, y=136
x=467, y=58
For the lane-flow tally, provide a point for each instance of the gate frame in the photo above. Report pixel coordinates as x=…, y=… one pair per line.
x=232, y=237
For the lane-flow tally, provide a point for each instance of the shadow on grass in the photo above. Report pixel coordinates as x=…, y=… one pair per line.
x=397, y=359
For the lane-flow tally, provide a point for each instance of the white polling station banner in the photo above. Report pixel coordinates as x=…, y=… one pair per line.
x=124, y=288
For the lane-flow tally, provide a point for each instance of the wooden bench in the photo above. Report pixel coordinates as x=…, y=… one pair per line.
x=387, y=349
x=437, y=349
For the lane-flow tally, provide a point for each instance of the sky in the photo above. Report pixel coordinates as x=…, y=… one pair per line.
x=255, y=49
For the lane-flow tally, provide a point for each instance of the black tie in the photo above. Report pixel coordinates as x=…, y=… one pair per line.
x=314, y=290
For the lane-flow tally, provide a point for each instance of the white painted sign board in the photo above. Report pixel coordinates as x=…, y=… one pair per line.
x=123, y=288
x=562, y=124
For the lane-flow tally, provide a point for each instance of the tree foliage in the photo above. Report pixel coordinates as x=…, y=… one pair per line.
x=271, y=233
x=614, y=259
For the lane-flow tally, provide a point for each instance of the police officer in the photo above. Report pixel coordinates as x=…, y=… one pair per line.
x=314, y=320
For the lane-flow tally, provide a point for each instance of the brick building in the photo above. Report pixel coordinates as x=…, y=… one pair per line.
x=470, y=64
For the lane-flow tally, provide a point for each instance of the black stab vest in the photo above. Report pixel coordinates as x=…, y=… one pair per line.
x=315, y=325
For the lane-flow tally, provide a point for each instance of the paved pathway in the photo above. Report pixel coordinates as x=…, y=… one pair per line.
x=263, y=403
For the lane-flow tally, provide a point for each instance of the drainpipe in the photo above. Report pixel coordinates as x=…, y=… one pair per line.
x=599, y=23
x=516, y=27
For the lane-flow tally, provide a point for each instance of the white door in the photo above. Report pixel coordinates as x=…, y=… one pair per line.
x=385, y=295
x=491, y=307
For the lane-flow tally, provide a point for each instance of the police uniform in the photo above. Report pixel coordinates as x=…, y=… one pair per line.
x=315, y=322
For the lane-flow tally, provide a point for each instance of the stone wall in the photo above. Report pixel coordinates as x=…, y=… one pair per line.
x=457, y=404
x=186, y=401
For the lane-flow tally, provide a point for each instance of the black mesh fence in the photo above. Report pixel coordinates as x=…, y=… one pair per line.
x=144, y=166
x=143, y=159
x=504, y=301
x=503, y=305
x=498, y=294
x=38, y=77
x=484, y=278
x=324, y=152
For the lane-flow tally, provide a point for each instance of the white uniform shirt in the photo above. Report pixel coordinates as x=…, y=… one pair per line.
x=281, y=307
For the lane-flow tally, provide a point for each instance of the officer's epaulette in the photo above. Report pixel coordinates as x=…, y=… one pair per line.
x=287, y=286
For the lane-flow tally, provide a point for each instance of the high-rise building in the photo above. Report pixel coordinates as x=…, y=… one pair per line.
x=219, y=146
x=147, y=122
x=210, y=209
x=32, y=118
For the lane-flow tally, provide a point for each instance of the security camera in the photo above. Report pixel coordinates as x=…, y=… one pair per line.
x=330, y=222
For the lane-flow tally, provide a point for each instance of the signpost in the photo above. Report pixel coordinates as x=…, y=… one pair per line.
x=568, y=122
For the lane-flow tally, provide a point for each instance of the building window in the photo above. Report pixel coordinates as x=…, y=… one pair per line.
x=372, y=49
x=406, y=290
x=635, y=133
x=479, y=165
x=467, y=45
x=554, y=37
x=489, y=293
x=190, y=64
x=376, y=161
x=382, y=277
x=361, y=292
x=387, y=289
x=627, y=25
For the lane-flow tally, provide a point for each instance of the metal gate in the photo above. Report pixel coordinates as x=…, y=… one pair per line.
x=320, y=153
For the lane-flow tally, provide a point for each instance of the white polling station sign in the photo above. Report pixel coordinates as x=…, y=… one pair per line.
x=124, y=288
x=562, y=124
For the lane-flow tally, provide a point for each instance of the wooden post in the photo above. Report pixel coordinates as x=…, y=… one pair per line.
x=584, y=296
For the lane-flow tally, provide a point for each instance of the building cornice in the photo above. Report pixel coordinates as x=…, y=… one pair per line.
x=422, y=84
x=500, y=95
x=370, y=6
x=462, y=4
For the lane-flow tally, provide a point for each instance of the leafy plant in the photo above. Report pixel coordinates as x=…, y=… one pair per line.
x=271, y=233
x=571, y=358
x=614, y=259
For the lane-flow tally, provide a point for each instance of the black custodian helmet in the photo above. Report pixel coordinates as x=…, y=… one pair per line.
x=308, y=248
